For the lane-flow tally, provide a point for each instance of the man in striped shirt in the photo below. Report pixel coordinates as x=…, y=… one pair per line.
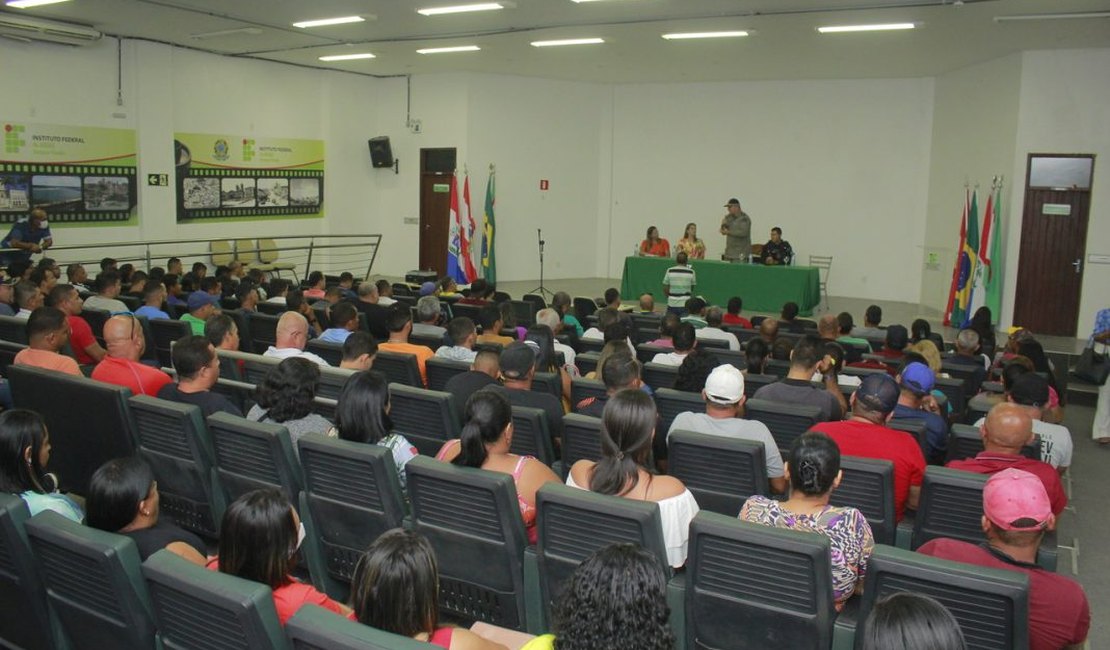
x=678, y=284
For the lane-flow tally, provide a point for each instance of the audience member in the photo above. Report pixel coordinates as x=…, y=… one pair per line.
x=377, y=315
x=518, y=369
x=782, y=348
x=154, y=294
x=43, y=279
x=107, y=294
x=428, y=312
x=606, y=316
x=291, y=337
x=123, y=498
x=620, y=371
x=286, y=397
x=24, y=455
x=813, y=469
x=316, y=285
x=362, y=415
x=385, y=293
x=695, y=370
x=712, y=330
x=400, y=326
x=492, y=322
x=733, y=317
x=79, y=278
x=344, y=321
x=484, y=371
x=916, y=402
x=478, y=295
x=173, y=265
x=967, y=356
x=667, y=325
x=222, y=332
x=174, y=290
x=756, y=354
x=550, y=318
x=126, y=344
x=485, y=440
x=358, y=351
x=788, y=319
x=247, y=293
x=684, y=340
x=865, y=434
x=6, y=288
x=897, y=338
x=86, y=349
x=627, y=428
x=695, y=313
x=921, y=331
x=910, y=621
x=678, y=284
x=28, y=298
x=562, y=303
x=198, y=369
x=847, y=336
x=47, y=334
x=463, y=335
x=769, y=330
x=871, y=319
x=647, y=304
x=981, y=323
x=1016, y=514
x=796, y=388
x=28, y=236
x=1031, y=349
x=200, y=270
x=346, y=286
x=201, y=305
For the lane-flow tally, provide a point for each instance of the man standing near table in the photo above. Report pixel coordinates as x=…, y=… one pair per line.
x=737, y=229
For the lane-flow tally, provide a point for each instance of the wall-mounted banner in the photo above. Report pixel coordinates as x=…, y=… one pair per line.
x=233, y=178
x=79, y=175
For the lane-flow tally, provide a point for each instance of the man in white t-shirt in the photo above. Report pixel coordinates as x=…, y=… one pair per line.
x=712, y=330
x=724, y=400
x=606, y=316
x=684, y=341
x=1030, y=391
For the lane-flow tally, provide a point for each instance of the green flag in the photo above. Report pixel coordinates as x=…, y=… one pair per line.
x=489, y=262
x=991, y=254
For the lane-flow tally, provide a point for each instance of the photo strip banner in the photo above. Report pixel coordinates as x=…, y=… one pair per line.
x=79, y=175
x=224, y=177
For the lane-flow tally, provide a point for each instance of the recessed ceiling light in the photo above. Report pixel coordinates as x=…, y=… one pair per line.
x=1088, y=14
x=679, y=37
x=568, y=41
x=27, y=4
x=324, y=22
x=836, y=29
x=445, y=50
x=460, y=9
x=347, y=57
x=245, y=31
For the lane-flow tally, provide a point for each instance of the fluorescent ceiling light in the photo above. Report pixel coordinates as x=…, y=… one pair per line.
x=836, y=29
x=27, y=4
x=460, y=9
x=324, y=22
x=1090, y=14
x=678, y=37
x=347, y=57
x=245, y=31
x=445, y=50
x=568, y=41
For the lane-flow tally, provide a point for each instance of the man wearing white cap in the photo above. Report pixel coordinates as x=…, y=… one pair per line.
x=724, y=401
x=1016, y=514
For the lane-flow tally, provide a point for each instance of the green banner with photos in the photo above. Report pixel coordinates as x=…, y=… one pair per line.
x=81, y=176
x=222, y=177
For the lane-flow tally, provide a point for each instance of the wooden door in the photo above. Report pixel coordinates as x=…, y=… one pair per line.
x=1053, y=256
x=436, y=167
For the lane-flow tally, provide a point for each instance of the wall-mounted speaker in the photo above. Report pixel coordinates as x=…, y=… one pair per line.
x=381, y=154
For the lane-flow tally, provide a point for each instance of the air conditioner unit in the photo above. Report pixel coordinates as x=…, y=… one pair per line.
x=35, y=29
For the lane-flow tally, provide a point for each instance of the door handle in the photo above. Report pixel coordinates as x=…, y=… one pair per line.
x=1078, y=264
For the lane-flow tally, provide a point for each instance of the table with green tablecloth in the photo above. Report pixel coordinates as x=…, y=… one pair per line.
x=763, y=288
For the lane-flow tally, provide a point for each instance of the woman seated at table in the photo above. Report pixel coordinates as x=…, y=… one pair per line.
x=654, y=245
x=627, y=430
x=690, y=244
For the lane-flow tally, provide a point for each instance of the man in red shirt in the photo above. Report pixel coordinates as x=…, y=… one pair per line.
x=86, y=348
x=1005, y=431
x=1016, y=514
x=121, y=366
x=733, y=317
x=866, y=435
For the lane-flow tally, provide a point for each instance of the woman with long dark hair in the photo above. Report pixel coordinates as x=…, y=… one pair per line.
x=981, y=323
x=286, y=397
x=362, y=415
x=24, y=454
x=690, y=244
x=487, y=436
x=544, y=339
x=627, y=430
x=813, y=469
x=654, y=245
x=911, y=621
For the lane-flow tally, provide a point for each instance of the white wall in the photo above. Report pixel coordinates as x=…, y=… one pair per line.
x=975, y=116
x=839, y=165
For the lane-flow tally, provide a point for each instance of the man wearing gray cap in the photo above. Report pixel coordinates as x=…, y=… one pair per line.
x=737, y=229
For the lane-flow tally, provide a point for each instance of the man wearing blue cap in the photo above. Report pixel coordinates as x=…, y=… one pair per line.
x=201, y=305
x=915, y=402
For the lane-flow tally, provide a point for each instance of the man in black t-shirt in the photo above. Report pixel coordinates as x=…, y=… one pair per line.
x=197, y=368
x=518, y=368
x=483, y=372
x=620, y=371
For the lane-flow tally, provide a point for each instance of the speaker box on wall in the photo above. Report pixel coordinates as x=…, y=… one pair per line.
x=381, y=154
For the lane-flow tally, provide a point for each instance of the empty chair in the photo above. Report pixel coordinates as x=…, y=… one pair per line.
x=93, y=582
x=89, y=421
x=786, y=421
x=671, y=402
x=658, y=375
x=428, y=418
x=754, y=586
x=720, y=472
x=246, y=251
x=198, y=608
x=221, y=252
x=441, y=370
x=26, y=621
x=328, y=351
x=252, y=455
x=315, y=628
x=584, y=307
x=581, y=439
x=166, y=333
x=400, y=368
x=581, y=389
x=351, y=496
x=174, y=441
x=263, y=329
x=13, y=329
x=531, y=436
x=270, y=258
x=867, y=484
x=468, y=514
x=824, y=265
x=991, y=605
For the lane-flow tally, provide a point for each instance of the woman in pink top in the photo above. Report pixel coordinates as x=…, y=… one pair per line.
x=487, y=436
x=395, y=588
x=316, y=285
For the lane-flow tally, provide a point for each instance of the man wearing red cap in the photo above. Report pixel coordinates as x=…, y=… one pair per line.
x=1016, y=514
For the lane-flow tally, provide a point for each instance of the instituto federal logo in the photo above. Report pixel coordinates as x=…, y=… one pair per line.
x=13, y=138
x=220, y=150
x=248, y=149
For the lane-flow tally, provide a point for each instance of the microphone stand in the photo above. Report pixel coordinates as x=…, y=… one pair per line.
x=541, y=290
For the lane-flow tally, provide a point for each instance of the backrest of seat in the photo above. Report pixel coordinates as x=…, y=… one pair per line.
x=399, y=368
x=735, y=358
x=328, y=351
x=531, y=436
x=8, y=350
x=964, y=441
x=263, y=329
x=89, y=421
x=548, y=382
x=315, y=628
x=174, y=441
x=246, y=251
x=659, y=376
x=786, y=421
x=93, y=582
x=13, y=329
x=720, y=472
x=270, y=308
x=26, y=621
x=951, y=506
x=354, y=489
x=645, y=352
x=670, y=402
x=524, y=310
x=268, y=251
x=242, y=325
x=428, y=418
x=581, y=439
x=470, y=311
x=777, y=367
x=586, y=362
x=199, y=608
x=253, y=455
x=441, y=370
x=990, y=605
x=953, y=389
x=752, y=383
x=166, y=333
x=867, y=484
x=574, y=523
x=150, y=350
x=96, y=319
x=433, y=343
x=255, y=366
x=592, y=346
x=915, y=427
x=221, y=253
x=332, y=381
x=755, y=586
x=468, y=514
x=581, y=388
x=713, y=345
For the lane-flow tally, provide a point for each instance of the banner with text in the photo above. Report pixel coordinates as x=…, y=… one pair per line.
x=79, y=175
x=234, y=178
